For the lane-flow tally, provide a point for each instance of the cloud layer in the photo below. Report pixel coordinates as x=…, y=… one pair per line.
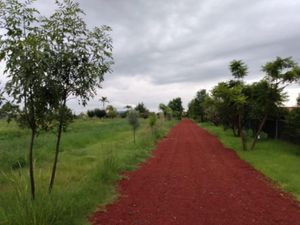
x=165, y=49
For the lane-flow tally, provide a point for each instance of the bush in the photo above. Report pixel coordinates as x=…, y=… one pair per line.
x=96, y=113
x=123, y=114
x=100, y=113
x=91, y=113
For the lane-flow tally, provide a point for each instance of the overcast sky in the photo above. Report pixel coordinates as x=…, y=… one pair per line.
x=173, y=48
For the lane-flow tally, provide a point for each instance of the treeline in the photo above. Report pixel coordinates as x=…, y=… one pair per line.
x=247, y=109
x=173, y=110
x=111, y=112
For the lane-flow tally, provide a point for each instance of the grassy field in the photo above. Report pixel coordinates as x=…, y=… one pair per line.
x=94, y=153
x=277, y=159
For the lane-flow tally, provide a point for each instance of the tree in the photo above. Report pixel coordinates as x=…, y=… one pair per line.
x=91, y=113
x=152, y=121
x=103, y=100
x=230, y=102
x=196, y=106
x=128, y=107
x=100, y=113
x=265, y=100
x=78, y=61
x=167, y=111
x=111, y=111
x=281, y=71
x=143, y=111
x=238, y=69
x=210, y=109
x=133, y=120
x=1, y=96
x=9, y=111
x=24, y=49
x=268, y=94
x=176, y=106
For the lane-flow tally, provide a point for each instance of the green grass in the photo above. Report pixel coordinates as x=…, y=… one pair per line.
x=276, y=159
x=94, y=153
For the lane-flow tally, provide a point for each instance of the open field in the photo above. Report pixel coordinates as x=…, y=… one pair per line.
x=277, y=159
x=94, y=152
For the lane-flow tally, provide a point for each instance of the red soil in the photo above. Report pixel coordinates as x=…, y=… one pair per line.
x=193, y=180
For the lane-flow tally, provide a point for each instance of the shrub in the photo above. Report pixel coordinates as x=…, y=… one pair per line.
x=91, y=113
x=99, y=113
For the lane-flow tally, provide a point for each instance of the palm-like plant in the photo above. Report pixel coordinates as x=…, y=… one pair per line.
x=103, y=100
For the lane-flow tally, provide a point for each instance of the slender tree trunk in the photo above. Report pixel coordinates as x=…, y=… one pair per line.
x=57, y=148
x=242, y=136
x=258, y=131
x=234, y=131
x=238, y=125
x=276, y=129
x=31, y=169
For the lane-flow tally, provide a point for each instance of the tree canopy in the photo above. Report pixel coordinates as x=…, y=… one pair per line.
x=176, y=106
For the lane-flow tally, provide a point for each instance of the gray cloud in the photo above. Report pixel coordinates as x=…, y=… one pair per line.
x=176, y=47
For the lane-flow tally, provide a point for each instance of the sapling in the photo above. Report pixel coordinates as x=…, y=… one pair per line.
x=152, y=121
x=133, y=120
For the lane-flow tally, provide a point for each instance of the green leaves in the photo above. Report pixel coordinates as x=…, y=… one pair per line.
x=282, y=70
x=79, y=57
x=133, y=119
x=238, y=69
x=176, y=106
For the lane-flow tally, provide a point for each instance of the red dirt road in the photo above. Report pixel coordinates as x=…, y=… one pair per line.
x=193, y=180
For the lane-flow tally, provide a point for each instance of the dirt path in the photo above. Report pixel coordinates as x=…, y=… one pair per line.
x=193, y=180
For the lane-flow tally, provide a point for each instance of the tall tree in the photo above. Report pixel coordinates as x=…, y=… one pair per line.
x=239, y=70
x=79, y=59
x=24, y=49
x=143, y=111
x=196, y=106
x=103, y=100
x=167, y=111
x=230, y=102
x=111, y=111
x=269, y=92
x=176, y=106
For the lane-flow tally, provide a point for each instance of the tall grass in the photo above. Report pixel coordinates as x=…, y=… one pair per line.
x=94, y=154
